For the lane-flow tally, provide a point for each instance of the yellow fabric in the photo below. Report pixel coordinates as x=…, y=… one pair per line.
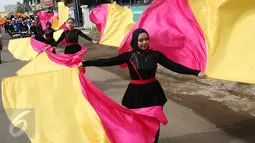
x=21, y=49
x=58, y=33
x=40, y=64
x=55, y=23
x=62, y=113
x=63, y=13
x=118, y=18
x=229, y=29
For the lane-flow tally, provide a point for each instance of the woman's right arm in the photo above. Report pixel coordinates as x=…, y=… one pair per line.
x=118, y=60
x=59, y=39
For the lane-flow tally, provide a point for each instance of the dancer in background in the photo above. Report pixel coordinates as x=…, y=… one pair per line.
x=71, y=36
x=37, y=30
x=144, y=90
x=49, y=34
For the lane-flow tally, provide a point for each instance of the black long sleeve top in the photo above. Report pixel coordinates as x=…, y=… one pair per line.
x=71, y=37
x=142, y=66
x=49, y=33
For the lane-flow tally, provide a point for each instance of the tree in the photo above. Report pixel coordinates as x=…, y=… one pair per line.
x=38, y=1
x=26, y=2
x=22, y=8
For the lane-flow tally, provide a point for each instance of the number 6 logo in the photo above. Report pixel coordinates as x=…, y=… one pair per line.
x=17, y=120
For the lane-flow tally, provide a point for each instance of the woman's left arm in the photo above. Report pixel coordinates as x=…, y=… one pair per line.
x=84, y=36
x=169, y=64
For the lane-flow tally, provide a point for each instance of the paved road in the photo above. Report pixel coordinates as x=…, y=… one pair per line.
x=185, y=126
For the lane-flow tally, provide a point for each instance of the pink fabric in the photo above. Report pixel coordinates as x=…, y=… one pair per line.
x=69, y=60
x=63, y=27
x=121, y=124
x=38, y=46
x=45, y=17
x=98, y=16
x=175, y=32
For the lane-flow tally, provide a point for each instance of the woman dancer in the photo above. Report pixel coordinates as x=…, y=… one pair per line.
x=71, y=36
x=38, y=31
x=49, y=39
x=144, y=90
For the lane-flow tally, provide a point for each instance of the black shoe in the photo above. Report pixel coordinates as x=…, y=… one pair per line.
x=0, y=62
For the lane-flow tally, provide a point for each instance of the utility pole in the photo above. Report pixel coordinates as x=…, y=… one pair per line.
x=55, y=4
x=76, y=12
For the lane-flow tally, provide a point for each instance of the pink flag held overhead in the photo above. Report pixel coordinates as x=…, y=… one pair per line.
x=45, y=17
x=175, y=32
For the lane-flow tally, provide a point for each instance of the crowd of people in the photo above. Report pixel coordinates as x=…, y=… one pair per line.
x=22, y=27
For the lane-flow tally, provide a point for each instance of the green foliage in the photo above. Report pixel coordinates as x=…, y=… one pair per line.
x=22, y=8
x=27, y=2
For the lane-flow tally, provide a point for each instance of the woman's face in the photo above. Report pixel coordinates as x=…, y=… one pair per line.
x=48, y=25
x=143, y=41
x=70, y=23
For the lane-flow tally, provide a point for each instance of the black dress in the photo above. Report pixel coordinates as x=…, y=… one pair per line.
x=142, y=67
x=49, y=36
x=24, y=28
x=71, y=37
x=38, y=32
x=144, y=90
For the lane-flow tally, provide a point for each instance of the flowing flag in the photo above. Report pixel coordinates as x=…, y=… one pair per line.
x=44, y=18
x=74, y=105
x=228, y=26
x=115, y=26
x=98, y=16
x=208, y=35
x=175, y=33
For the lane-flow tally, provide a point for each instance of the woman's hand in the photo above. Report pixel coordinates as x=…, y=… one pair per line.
x=47, y=48
x=202, y=75
x=95, y=41
x=81, y=65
